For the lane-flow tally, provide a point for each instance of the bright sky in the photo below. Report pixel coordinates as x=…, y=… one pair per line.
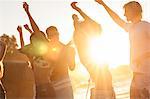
x=114, y=42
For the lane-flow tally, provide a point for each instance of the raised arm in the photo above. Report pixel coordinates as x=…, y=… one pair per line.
x=27, y=28
x=73, y=5
x=113, y=15
x=19, y=28
x=35, y=28
x=75, y=21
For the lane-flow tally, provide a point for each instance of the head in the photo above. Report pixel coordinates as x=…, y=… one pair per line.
x=10, y=42
x=39, y=43
x=35, y=38
x=133, y=11
x=52, y=33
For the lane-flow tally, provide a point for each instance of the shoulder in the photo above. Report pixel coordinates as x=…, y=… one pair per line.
x=127, y=27
x=16, y=56
x=142, y=26
x=145, y=24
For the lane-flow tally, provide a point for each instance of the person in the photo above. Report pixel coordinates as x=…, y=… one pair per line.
x=86, y=29
x=3, y=49
x=139, y=31
x=63, y=57
x=83, y=33
x=18, y=77
x=58, y=55
x=41, y=68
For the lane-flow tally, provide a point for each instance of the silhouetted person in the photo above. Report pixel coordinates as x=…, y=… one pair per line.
x=18, y=77
x=36, y=51
x=3, y=48
x=82, y=36
x=139, y=31
x=58, y=56
x=63, y=58
x=84, y=31
x=42, y=67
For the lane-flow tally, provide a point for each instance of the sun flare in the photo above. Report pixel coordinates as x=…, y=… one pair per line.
x=97, y=51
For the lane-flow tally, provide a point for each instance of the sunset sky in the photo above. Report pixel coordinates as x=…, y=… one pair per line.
x=113, y=43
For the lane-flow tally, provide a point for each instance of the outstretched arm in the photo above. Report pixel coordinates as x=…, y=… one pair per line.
x=113, y=15
x=27, y=28
x=73, y=5
x=32, y=22
x=19, y=28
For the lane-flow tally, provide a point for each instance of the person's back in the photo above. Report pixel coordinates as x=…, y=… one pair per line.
x=60, y=76
x=60, y=65
x=139, y=35
x=18, y=77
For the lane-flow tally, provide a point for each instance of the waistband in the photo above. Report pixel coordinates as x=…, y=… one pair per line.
x=60, y=84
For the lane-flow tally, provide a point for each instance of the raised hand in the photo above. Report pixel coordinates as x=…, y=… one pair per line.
x=73, y=5
x=19, y=28
x=100, y=1
x=26, y=6
x=75, y=17
x=26, y=27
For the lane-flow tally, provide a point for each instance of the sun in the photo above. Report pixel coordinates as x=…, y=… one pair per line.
x=108, y=50
x=97, y=52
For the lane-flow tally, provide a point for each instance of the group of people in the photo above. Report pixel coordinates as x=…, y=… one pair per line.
x=47, y=60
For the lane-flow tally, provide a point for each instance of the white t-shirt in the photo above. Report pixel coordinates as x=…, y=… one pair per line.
x=139, y=35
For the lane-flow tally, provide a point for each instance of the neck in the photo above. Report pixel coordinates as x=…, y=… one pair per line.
x=136, y=20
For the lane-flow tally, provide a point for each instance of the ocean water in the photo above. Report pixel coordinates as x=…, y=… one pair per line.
x=122, y=89
x=121, y=80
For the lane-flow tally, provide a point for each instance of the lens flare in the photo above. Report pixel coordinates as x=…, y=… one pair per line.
x=96, y=51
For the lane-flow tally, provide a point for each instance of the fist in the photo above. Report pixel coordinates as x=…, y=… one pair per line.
x=26, y=26
x=73, y=5
x=100, y=1
x=25, y=6
x=19, y=28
